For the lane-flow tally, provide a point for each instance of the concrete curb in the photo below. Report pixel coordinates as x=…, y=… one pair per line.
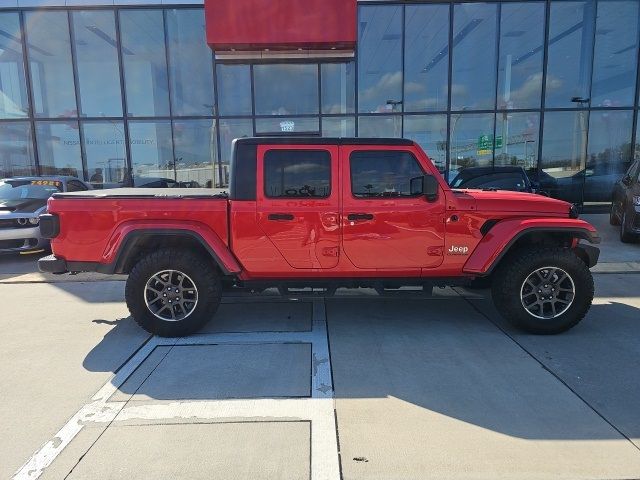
x=617, y=267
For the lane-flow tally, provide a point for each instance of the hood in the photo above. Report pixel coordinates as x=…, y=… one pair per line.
x=508, y=201
x=27, y=206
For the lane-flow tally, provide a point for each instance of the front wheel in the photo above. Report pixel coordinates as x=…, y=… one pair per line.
x=173, y=292
x=543, y=290
x=625, y=235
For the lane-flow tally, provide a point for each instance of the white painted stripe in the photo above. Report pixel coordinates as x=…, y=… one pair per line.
x=128, y=368
x=319, y=409
x=93, y=412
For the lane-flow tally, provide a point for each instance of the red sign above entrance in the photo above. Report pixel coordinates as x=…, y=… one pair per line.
x=281, y=26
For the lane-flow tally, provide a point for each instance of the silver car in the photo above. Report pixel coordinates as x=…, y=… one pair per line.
x=22, y=200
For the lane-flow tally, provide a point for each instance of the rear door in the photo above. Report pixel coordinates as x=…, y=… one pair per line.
x=384, y=226
x=298, y=203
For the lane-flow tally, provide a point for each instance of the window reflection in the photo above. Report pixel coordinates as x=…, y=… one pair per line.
x=430, y=132
x=196, y=145
x=379, y=58
x=564, y=143
x=615, y=55
x=50, y=64
x=234, y=89
x=516, y=141
x=473, y=79
x=338, y=127
x=426, y=60
x=16, y=150
x=285, y=89
x=471, y=141
x=145, y=65
x=230, y=129
x=608, y=153
x=283, y=126
x=380, y=126
x=13, y=90
x=190, y=62
x=59, y=148
x=151, y=154
x=570, y=48
x=338, y=87
x=105, y=150
x=521, y=50
x=97, y=59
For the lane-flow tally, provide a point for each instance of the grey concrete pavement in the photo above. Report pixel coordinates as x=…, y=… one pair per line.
x=59, y=345
x=437, y=391
x=600, y=359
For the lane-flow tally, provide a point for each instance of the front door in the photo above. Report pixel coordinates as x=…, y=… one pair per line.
x=384, y=226
x=298, y=203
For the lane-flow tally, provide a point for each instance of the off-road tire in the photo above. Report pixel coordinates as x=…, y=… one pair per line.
x=613, y=218
x=516, y=268
x=204, y=275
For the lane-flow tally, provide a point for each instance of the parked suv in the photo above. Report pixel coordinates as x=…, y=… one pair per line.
x=329, y=212
x=625, y=204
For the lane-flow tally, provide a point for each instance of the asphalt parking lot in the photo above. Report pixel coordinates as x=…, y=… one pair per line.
x=355, y=386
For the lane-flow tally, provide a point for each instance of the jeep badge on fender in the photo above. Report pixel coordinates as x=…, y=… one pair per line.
x=457, y=250
x=325, y=213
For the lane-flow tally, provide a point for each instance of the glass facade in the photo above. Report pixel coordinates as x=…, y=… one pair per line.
x=133, y=95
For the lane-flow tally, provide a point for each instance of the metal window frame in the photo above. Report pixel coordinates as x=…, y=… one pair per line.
x=217, y=117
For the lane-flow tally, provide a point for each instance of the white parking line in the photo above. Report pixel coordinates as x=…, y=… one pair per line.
x=319, y=409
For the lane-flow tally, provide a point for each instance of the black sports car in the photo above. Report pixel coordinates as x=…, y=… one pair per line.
x=22, y=200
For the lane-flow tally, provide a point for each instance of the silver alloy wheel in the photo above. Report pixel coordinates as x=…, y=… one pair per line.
x=547, y=292
x=171, y=295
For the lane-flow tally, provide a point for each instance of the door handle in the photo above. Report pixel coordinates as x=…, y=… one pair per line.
x=280, y=216
x=360, y=216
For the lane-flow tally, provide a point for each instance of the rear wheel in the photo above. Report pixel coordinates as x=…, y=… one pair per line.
x=172, y=292
x=544, y=290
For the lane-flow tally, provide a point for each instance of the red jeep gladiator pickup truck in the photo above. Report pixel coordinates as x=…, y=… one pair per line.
x=325, y=212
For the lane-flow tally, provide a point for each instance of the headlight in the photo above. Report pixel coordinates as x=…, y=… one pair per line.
x=636, y=200
x=34, y=221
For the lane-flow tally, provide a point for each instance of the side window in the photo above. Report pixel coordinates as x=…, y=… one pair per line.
x=297, y=173
x=73, y=186
x=383, y=173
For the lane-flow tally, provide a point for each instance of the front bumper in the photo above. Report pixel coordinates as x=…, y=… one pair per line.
x=21, y=239
x=588, y=253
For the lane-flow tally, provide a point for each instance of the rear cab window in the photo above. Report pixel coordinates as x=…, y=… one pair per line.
x=297, y=174
x=383, y=173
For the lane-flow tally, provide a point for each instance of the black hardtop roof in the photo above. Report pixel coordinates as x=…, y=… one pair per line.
x=311, y=140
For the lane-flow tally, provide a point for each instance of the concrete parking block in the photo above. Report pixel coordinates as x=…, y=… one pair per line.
x=433, y=390
x=281, y=316
x=229, y=371
x=251, y=450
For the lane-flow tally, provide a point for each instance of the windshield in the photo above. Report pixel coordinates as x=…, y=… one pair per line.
x=28, y=189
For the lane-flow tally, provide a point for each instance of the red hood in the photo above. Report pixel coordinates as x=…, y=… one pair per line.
x=508, y=201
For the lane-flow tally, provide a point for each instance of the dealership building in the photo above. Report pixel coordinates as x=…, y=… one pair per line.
x=126, y=91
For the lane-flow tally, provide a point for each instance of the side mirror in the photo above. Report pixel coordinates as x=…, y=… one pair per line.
x=426, y=185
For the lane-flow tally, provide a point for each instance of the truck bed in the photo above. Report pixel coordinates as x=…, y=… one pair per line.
x=146, y=193
x=95, y=223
